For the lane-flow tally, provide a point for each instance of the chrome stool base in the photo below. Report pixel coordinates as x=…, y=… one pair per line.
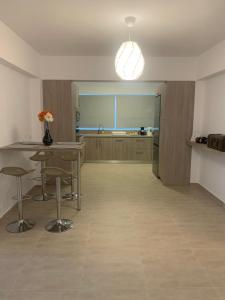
x=59, y=225
x=20, y=226
x=71, y=197
x=41, y=197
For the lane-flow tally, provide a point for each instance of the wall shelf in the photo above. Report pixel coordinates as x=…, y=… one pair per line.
x=203, y=147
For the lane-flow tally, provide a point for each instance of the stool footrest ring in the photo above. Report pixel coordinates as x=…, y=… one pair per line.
x=41, y=197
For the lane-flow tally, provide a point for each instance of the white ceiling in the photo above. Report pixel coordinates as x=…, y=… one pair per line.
x=95, y=27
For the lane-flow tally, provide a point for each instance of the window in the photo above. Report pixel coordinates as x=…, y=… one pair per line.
x=116, y=112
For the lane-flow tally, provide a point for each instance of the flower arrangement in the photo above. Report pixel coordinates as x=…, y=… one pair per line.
x=45, y=116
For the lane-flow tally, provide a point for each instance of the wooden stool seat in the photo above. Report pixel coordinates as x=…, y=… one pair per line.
x=20, y=225
x=42, y=157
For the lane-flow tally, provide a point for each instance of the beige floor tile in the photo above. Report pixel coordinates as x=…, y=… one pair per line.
x=133, y=239
x=50, y=280
x=176, y=274
x=4, y=294
x=85, y=294
x=183, y=294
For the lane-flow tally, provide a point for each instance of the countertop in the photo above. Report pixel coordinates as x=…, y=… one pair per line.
x=114, y=135
x=35, y=146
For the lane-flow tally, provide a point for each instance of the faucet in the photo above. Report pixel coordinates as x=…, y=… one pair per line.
x=100, y=128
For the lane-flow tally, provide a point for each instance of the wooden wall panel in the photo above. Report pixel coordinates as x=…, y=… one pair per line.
x=176, y=129
x=57, y=97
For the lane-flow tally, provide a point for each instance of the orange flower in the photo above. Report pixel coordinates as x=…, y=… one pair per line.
x=45, y=116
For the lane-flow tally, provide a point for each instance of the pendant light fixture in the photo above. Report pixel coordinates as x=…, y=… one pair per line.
x=129, y=61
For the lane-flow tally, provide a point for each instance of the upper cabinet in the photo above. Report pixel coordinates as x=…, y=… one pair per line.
x=177, y=109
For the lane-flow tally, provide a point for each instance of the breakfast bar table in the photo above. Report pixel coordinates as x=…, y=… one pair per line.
x=59, y=146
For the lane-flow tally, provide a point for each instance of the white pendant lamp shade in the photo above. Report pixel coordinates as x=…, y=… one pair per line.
x=129, y=61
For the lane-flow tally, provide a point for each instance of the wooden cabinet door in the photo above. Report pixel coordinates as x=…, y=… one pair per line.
x=104, y=148
x=140, y=149
x=91, y=150
x=120, y=149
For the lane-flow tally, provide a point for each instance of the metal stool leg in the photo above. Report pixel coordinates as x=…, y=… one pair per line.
x=72, y=196
x=21, y=225
x=78, y=182
x=59, y=225
x=44, y=196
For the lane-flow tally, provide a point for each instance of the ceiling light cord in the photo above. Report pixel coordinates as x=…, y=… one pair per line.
x=129, y=34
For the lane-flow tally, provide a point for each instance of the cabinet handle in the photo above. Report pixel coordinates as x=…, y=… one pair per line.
x=139, y=152
x=119, y=140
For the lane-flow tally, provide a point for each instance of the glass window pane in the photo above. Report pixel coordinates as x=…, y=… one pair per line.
x=135, y=111
x=96, y=110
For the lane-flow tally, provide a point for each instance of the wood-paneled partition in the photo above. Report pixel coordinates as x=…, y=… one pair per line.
x=177, y=108
x=57, y=98
x=176, y=124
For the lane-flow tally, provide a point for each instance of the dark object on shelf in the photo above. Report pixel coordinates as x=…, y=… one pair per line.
x=47, y=139
x=142, y=131
x=216, y=141
x=201, y=140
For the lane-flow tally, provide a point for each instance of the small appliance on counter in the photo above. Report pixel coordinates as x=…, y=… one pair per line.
x=216, y=142
x=201, y=140
x=142, y=131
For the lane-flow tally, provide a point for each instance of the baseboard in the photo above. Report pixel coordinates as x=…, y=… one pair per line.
x=212, y=193
x=11, y=207
x=119, y=161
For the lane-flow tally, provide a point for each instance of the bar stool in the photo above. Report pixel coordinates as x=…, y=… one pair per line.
x=59, y=224
x=21, y=225
x=71, y=157
x=42, y=157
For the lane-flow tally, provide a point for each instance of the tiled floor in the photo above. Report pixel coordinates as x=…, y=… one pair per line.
x=134, y=239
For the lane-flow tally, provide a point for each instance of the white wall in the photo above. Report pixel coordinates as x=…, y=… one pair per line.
x=102, y=68
x=20, y=100
x=208, y=167
x=15, y=123
x=211, y=62
x=17, y=53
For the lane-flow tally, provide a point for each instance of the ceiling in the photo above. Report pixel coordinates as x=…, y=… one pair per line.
x=96, y=27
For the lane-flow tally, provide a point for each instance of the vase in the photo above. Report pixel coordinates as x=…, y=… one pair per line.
x=47, y=139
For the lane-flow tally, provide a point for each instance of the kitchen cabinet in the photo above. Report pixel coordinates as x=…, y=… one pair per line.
x=118, y=148
x=104, y=148
x=90, y=149
x=98, y=148
x=140, y=149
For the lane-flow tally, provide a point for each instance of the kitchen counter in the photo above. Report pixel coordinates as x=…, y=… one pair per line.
x=117, y=147
x=114, y=135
